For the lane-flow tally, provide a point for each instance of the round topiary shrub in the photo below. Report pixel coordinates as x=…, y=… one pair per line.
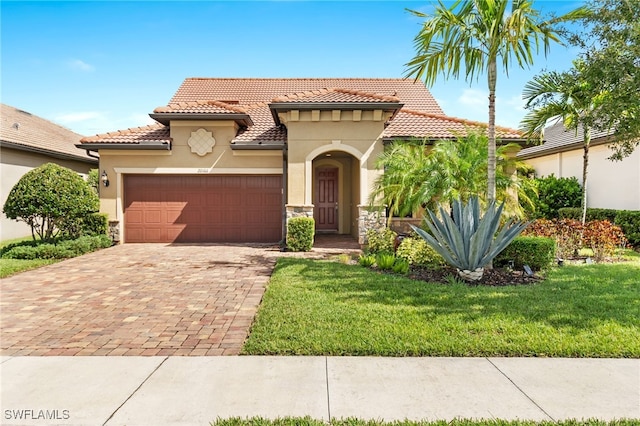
x=48, y=195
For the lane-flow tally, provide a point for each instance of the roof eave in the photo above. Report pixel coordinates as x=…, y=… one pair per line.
x=276, y=107
x=138, y=145
x=258, y=146
x=55, y=154
x=564, y=148
x=165, y=118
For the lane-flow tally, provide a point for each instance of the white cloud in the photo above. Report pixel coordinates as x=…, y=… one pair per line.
x=79, y=65
x=475, y=99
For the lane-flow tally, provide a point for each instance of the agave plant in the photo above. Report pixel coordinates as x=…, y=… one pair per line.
x=466, y=240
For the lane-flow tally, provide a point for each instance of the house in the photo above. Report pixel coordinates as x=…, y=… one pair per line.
x=231, y=159
x=610, y=184
x=26, y=142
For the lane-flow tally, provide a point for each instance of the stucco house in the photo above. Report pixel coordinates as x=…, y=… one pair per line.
x=231, y=159
x=610, y=184
x=26, y=142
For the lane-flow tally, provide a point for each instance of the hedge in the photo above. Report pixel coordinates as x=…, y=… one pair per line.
x=300, y=232
x=60, y=250
x=537, y=252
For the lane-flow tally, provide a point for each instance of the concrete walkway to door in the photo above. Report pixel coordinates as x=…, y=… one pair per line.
x=137, y=299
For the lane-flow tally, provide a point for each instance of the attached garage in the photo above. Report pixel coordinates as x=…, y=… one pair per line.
x=196, y=208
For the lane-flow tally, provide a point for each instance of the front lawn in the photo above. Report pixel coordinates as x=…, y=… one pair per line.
x=314, y=307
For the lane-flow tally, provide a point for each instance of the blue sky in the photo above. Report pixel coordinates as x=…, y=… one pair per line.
x=102, y=66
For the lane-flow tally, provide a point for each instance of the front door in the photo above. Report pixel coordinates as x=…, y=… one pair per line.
x=326, y=202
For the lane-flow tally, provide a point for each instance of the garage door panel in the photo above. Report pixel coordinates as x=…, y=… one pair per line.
x=168, y=208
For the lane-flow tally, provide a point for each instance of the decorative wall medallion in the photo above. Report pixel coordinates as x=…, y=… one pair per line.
x=201, y=142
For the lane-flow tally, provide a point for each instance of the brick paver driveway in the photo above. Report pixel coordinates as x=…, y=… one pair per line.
x=137, y=299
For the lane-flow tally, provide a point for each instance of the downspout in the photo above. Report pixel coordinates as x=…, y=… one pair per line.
x=285, y=167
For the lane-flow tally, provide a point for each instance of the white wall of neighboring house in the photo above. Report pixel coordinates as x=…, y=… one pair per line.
x=610, y=184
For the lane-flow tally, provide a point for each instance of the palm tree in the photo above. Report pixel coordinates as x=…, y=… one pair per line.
x=565, y=97
x=418, y=175
x=474, y=35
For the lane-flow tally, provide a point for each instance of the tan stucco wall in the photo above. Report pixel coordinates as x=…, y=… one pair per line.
x=180, y=160
x=14, y=164
x=311, y=139
x=610, y=184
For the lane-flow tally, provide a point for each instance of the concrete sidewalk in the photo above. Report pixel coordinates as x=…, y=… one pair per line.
x=197, y=390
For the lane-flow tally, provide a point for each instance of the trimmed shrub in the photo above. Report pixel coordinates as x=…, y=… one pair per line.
x=91, y=224
x=592, y=214
x=629, y=222
x=45, y=196
x=381, y=240
x=300, y=232
x=61, y=250
x=416, y=251
x=603, y=238
x=555, y=193
x=537, y=252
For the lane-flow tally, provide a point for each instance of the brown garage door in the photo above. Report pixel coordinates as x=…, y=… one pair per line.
x=167, y=208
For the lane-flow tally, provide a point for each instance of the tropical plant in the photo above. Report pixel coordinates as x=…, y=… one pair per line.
x=47, y=196
x=476, y=35
x=385, y=261
x=611, y=48
x=366, y=260
x=568, y=98
x=555, y=194
x=400, y=266
x=468, y=241
x=418, y=175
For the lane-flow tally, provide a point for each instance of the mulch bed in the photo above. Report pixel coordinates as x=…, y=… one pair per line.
x=491, y=277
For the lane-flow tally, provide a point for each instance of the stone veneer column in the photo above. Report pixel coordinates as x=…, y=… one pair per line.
x=299, y=211
x=370, y=218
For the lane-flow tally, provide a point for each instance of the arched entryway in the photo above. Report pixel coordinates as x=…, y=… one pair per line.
x=336, y=192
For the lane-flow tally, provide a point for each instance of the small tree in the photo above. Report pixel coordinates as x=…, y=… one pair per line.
x=46, y=196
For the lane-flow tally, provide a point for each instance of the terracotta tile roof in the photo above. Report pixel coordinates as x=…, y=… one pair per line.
x=32, y=132
x=264, y=131
x=558, y=138
x=135, y=135
x=413, y=95
x=336, y=95
x=419, y=124
x=210, y=107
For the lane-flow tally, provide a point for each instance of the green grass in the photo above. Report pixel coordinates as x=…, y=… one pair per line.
x=10, y=267
x=307, y=421
x=316, y=307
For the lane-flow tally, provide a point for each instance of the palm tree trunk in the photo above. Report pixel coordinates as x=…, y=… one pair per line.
x=491, y=132
x=585, y=164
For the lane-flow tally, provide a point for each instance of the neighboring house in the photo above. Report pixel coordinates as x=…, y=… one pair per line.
x=231, y=159
x=610, y=184
x=26, y=142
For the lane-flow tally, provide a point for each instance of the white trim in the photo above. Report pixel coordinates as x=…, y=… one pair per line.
x=257, y=153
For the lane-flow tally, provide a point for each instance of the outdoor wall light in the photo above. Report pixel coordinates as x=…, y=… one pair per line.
x=104, y=178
